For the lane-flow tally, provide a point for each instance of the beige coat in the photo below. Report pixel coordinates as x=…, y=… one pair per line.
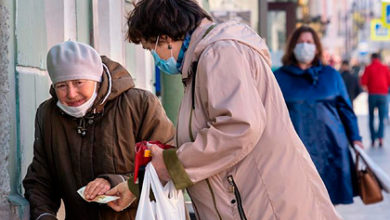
x=241, y=128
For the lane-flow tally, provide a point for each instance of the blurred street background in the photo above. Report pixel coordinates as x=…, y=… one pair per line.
x=349, y=29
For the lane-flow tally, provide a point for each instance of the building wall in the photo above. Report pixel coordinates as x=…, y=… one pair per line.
x=237, y=5
x=5, y=123
x=334, y=40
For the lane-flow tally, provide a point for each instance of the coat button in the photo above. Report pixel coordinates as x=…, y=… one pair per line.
x=233, y=201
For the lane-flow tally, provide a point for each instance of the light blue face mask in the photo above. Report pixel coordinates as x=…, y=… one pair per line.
x=168, y=66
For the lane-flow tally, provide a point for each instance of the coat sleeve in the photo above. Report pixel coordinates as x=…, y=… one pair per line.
x=40, y=189
x=155, y=125
x=228, y=94
x=347, y=115
x=114, y=179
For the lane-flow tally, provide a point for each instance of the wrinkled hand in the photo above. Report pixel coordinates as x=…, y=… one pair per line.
x=158, y=164
x=97, y=187
x=359, y=143
x=126, y=197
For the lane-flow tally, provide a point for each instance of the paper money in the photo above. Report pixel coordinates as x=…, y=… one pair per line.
x=98, y=199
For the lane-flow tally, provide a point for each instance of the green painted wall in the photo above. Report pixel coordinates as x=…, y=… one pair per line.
x=206, y=4
x=84, y=20
x=172, y=92
x=130, y=58
x=31, y=33
x=12, y=163
x=19, y=207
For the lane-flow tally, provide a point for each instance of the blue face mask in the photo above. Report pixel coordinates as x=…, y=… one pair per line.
x=168, y=66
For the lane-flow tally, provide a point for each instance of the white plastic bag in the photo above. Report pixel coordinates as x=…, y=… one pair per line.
x=169, y=202
x=383, y=178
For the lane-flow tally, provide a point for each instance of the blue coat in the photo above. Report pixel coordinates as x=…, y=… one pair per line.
x=321, y=112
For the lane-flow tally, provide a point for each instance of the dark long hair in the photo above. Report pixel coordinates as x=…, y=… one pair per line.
x=174, y=18
x=289, y=57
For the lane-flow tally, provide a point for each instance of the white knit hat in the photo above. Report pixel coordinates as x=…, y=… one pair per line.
x=73, y=60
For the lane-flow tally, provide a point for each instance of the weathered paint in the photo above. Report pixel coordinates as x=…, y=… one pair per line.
x=4, y=104
x=130, y=59
x=31, y=33
x=84, y=21
x=108, y=29
x=144, y=69
x=16, y=207
x=33, y=87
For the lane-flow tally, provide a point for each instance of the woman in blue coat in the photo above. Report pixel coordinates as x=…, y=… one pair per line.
x=321, y=112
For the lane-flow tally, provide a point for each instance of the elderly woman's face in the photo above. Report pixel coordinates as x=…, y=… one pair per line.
x=74, y=92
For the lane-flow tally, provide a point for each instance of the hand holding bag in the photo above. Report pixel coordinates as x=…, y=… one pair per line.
x=141, y=159
x=369, y=189
x=169, y=202
x=382, y=177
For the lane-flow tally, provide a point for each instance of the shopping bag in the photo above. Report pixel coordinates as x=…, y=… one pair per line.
x=141, y=159
x=168, y=204
x=382, y=177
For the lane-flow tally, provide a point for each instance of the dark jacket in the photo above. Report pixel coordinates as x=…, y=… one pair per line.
x=65, y=160
x=352, y=84
x=323, y=118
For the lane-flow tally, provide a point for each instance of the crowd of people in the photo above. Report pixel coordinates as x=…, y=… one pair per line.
x=281, y=139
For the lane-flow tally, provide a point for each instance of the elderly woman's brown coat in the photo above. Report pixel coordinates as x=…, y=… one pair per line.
x=65, y=160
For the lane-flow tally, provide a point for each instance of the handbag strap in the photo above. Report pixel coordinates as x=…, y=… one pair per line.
x=357, y=159
x=195, y=68
x=358, y=156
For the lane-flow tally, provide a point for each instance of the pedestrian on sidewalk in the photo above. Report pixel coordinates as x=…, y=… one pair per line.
x=351, y=81
x=86, y=132
x=321, y=112
x=238, y=154
x=376, y=80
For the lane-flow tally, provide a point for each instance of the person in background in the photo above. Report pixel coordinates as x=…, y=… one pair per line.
x=351, y=81
x=85, y=134
x=321, y=112
x=356, y=67
x=376, y=81
x=238, y=154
